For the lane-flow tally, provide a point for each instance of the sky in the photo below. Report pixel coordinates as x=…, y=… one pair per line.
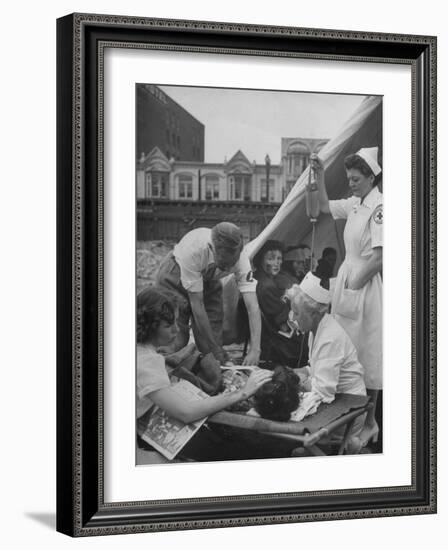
x=256, y=120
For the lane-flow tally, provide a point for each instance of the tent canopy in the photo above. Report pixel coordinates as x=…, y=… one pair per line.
x=291, y=225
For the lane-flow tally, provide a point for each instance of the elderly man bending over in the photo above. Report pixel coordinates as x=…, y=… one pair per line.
x=193, y=272
x=333, y=361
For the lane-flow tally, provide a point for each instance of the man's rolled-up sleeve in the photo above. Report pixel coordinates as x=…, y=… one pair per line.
x=244, y=275
x=190, y=271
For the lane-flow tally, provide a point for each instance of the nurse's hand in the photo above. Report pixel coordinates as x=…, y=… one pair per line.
x=315, y=163
x=303, y=373
x=354, y=284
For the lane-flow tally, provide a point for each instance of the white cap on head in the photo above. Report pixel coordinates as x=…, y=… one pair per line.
x=370, y=156
x=310, y=285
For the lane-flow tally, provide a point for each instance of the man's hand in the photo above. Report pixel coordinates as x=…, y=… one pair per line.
x=221, y=355
x=252, y=358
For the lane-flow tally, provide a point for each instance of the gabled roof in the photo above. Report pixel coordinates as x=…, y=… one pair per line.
x=239, y=163
x=156, y=160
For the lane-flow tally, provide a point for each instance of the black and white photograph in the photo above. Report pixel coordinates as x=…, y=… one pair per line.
x=259, y=284
x=180, y=229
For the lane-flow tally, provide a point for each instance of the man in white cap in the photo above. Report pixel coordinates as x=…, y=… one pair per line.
x=333, y=361
x=193, y=273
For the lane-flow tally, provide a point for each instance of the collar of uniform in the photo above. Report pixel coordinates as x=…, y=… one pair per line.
x=211, y=253
x=371, y=199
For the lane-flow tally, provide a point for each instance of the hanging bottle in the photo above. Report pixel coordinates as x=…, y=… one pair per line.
x=312, y=196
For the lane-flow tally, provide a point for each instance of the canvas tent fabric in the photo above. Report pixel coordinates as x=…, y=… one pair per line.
x=290, y=224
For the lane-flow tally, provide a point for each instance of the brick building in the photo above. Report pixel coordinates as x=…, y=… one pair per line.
x=163, y=123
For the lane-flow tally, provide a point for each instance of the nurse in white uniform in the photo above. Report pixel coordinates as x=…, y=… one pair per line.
x=357, y=300
x=333, y=362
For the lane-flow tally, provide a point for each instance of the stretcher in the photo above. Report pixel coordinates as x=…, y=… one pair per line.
x=313, y=432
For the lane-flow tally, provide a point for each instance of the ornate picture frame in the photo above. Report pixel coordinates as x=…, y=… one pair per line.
x=81, y=43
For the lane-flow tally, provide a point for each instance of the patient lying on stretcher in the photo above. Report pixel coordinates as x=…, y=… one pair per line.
x=333, y=362
x=274, y=400
x=280, y=396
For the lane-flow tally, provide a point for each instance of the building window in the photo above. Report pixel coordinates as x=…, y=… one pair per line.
x=156, y=185
x=297, y=163
x=211, y=188
x=185, y=186
x=263, y=190
x=243, y=187
x=305, y=162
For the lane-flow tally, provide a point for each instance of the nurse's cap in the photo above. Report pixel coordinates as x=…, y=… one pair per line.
x=311, y=286
x=370, y=156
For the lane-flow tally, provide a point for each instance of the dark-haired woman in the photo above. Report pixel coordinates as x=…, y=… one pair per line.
x=277, y=343
x=357, y=300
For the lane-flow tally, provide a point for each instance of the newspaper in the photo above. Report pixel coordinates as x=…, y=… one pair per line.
x=166, y=434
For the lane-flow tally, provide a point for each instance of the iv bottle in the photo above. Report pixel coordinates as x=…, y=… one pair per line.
x=312, y=197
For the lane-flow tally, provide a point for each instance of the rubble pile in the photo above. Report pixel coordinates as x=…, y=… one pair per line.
x=149, y=255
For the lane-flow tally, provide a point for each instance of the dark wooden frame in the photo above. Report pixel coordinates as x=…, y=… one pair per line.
x=81, y=38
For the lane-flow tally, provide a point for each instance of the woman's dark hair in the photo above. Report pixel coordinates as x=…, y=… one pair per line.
x=329, y=251
x=279, y=397
x=324, y=269
x=153, y=306
x=358, y=163
x=268, y=245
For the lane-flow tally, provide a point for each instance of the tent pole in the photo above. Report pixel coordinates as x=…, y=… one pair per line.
x=313, y=234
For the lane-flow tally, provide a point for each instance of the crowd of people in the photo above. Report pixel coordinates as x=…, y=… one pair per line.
x=311, y=328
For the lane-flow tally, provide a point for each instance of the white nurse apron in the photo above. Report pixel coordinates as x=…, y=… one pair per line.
x=360, y=311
